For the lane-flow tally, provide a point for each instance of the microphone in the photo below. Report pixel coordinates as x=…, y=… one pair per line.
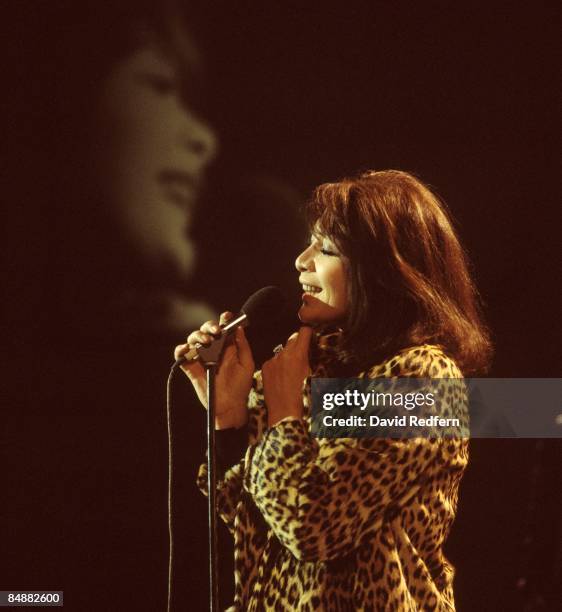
x=262, y=308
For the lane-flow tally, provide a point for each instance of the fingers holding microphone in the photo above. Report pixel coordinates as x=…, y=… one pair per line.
x=196, y=339
x=202, y=336
x=234, y=374
x=209, y=331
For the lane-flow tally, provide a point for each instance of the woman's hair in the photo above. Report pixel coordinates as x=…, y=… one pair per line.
x=409, y=282
x=85, y=40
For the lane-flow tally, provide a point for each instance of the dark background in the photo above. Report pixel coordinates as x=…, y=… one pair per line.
x=461, y=94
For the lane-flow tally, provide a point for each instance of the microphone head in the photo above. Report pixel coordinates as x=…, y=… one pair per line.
x=271, y=320
x=264, y=305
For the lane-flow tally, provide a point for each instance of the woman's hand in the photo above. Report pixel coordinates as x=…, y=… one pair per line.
x=234, y=376
x=283, y=377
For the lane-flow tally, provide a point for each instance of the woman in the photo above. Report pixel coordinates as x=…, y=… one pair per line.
x=350, y=524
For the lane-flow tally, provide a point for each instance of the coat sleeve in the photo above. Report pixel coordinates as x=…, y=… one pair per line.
x=229, y=488
x=231, y=445
x=322, y=496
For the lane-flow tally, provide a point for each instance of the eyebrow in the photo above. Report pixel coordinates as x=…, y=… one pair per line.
x=319, y=240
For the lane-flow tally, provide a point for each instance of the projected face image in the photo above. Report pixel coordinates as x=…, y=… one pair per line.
x=151, y=152
x=323, y=277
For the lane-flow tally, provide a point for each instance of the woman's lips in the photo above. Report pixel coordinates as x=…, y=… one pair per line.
x=178, y=186
x=311, y=297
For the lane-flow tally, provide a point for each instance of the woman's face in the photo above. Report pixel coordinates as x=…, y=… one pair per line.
x=324, y=279
x=151, y=152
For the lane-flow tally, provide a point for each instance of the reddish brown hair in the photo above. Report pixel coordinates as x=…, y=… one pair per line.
x=409, y=279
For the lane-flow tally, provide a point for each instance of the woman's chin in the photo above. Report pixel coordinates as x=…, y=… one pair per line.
x=310, y=316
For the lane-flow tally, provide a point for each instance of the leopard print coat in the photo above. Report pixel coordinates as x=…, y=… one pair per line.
x=343, y=524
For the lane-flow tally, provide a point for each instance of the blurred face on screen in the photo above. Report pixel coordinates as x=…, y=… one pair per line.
x=151, y=151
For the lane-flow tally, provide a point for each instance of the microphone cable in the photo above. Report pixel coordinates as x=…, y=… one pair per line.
x=170, y=485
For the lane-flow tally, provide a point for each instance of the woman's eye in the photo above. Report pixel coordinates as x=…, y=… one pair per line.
x=327, y=251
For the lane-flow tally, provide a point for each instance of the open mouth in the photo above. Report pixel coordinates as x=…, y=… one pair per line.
x=311, y=289
x=179, y=187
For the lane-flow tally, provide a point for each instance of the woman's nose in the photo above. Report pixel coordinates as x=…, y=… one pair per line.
x=304, y=262
x=199, y=139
